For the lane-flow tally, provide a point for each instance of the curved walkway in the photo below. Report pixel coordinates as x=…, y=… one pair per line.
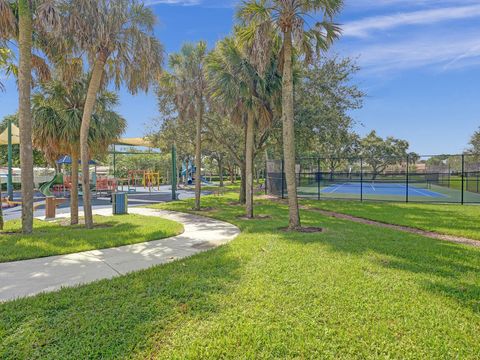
x=30, y=277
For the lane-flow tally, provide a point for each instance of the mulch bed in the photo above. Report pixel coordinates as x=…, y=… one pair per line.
x=205, y=209
x=305, y=229
x=256, y=217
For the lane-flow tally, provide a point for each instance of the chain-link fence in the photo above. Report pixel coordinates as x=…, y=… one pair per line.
x=437, y=178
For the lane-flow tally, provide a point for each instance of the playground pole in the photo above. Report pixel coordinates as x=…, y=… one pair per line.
x=114, y=161
x=9, y=176
x=174, y=172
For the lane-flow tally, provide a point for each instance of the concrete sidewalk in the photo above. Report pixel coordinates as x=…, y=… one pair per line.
x=30, y=277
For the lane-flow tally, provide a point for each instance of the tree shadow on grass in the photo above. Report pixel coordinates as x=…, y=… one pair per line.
x=112, y=318
x=444, y=268
x=54, y=239
x=415, y=215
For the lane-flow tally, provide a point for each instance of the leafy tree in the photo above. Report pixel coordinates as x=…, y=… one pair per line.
x=120, y=46
x=381, y=153
x=287, y=18
x=143, y=160
x=170, y=131
x=324, y=97
x=475, y=143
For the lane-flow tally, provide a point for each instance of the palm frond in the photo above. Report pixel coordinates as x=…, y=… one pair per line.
x=8, y=21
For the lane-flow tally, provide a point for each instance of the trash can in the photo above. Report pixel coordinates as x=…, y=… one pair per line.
x=119, y=203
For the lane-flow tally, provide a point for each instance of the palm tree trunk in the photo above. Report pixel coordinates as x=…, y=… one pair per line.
x=74, y=190
x=93, y=88
x=198, y=152
x=249, y=147
x=25, y=114
x=289, y=133
x=243, y=184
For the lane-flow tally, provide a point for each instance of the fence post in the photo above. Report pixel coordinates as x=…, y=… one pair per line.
x=407, y=178
x=361, y=179
x=463, y=177
x=477, y=183
x=318, y=178
x=283, y=179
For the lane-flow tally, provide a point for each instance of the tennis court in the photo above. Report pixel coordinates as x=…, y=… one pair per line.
x=452, y=179
x=372, y=188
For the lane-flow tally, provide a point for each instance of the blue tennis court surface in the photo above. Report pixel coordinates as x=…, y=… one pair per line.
x=372, y=188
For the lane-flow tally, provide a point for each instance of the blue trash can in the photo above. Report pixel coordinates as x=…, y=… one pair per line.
x=119, y=203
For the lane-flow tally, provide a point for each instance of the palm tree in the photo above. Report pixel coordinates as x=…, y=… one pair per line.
x=6, y=64
x=245, y=89
x=17, y=22
x=188, y=84
x=288, y=18
x=25, y=117
x=57, y=112
x=117, y=38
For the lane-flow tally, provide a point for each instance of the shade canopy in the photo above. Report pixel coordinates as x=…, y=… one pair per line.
x=134, y=142
x=68, y=160
x=15, y=136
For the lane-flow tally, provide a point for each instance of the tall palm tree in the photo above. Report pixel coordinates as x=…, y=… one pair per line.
x=288, y=19
x=117, y=38
x=21, y=20
x=188, y=84
x=25, y=117
x=57, y=112
x=247, y=90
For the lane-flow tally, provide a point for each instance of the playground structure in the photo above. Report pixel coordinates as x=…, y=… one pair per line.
x=190, y=176
x=143, y=178
x=56, y=183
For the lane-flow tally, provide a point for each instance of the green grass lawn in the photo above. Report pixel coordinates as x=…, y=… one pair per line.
x=446, y=219
x=55, y=239
x=354, y=291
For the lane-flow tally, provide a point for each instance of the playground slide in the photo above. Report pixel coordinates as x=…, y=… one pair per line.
x=45, y=188
x=205, y=181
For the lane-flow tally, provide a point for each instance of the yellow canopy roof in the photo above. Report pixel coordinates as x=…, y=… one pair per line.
x=15, y=136
x=134, y=142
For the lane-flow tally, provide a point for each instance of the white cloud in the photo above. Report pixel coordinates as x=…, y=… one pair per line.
x=364, y=27
x=436, y=52
x=406, y=3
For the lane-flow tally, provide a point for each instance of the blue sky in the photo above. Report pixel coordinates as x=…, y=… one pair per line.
x=420, y=63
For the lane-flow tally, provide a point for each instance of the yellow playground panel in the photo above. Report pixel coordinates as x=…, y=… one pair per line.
x=148, y=179
x=151, y=180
